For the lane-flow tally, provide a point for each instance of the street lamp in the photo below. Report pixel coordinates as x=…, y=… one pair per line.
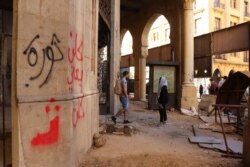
x=205, y=72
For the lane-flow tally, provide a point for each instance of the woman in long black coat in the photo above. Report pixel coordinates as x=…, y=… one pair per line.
x=162, y=98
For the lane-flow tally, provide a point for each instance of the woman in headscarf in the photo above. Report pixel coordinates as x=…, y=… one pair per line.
x=162, y=98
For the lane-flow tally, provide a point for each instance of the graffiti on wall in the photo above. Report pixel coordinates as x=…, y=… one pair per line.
x=52, y=135
x=45, y=60
x=75, y=59
x=77, y=113
x=47, y=56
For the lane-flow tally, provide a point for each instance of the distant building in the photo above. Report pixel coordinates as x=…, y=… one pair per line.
x=212, y=15
x=159, y=33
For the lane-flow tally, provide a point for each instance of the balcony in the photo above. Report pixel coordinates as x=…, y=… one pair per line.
x=219, y=5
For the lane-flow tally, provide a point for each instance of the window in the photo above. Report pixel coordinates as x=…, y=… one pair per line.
x=217, y=23
x=246, y=57
x=234, y=4
x=167, y=30
x=246, y=8
x=194, y=4
x=234, y=54
x=217, y=3
x=155, y=36
x=220, y=56
x=232, y=23
x=197, y=26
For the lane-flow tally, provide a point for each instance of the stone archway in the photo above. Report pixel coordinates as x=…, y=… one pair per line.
x=217, y=73
x=144, y=53
x=231, y=72
x=147, y=28
x=126, y=42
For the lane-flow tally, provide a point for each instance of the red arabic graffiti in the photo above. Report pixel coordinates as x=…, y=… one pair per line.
x=77, y=112
x=52, y=135
x=75, y=56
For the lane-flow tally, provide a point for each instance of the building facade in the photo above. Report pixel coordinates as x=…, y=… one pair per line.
x=212, y=15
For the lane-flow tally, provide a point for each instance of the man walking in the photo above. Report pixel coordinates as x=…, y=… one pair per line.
x=124, y=98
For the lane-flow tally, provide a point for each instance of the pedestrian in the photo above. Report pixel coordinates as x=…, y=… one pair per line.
x=221, y=82
x=201, y=90
x=124, y=99
x=213, y=88
x=162, y=99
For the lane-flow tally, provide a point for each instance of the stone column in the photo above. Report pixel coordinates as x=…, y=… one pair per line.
x=136, y=54
x=142, y=73
x=115, y=52
x=189, y=97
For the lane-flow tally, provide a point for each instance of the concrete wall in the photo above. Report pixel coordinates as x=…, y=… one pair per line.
x=54, y=81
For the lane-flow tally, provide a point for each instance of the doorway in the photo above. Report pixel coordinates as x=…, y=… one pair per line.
x=103, y=66
x=6, y=22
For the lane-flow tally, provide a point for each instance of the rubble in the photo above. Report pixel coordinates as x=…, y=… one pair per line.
x=99, y=140
x=217, y=128
x=117, y=129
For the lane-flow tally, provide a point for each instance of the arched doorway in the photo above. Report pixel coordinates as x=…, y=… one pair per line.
x=156, y=33
x=231, y=72
x=127, y=58
x=6, y=15
x=217, y=73
x=126, y=43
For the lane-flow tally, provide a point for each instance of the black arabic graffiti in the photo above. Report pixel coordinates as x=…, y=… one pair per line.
x=48, y=52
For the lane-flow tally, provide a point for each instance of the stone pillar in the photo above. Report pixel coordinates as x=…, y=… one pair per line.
x=55, y=110
x=136, y=54
x=142, y=73
x=114, y=54
x=189, y=97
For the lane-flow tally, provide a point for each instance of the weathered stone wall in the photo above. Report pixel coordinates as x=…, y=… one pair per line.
x=55, y=97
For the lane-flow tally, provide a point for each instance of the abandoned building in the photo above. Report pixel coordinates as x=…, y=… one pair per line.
x=60, y=60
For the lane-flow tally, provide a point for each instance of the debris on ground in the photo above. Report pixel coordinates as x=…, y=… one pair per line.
x=206, y=102
x=217, y=127
x=204, y=139
x=153, y=146
x=119, y=129
x=211, y=119
x=191, y=112
x=234, y=145
x=106, y=126
x=99, y=140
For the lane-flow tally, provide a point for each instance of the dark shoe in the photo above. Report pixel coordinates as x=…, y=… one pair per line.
x=127, y=122
x=113, y=119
